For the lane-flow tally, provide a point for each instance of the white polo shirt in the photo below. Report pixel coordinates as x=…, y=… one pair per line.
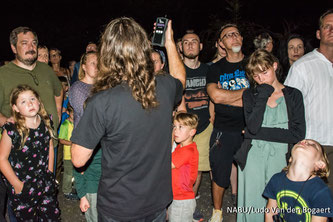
x=313, y=76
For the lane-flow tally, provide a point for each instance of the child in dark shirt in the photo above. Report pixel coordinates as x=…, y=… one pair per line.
x=298, y=193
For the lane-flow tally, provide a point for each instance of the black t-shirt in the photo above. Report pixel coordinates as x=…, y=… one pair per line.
x=136, y=149
x=232, y=77
x=299, y=200
x=196, y=97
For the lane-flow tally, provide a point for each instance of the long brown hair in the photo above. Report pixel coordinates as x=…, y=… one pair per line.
x=20, y=120
x=125, y=58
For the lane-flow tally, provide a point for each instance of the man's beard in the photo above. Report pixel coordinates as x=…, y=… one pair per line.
x=236, y=49
x=29, y=61
x=190, y=56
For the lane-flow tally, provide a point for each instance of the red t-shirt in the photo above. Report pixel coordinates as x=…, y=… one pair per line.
x=184, y=175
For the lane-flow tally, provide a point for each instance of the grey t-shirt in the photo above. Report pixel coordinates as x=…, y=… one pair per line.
x=136, y=149
x=78, y=93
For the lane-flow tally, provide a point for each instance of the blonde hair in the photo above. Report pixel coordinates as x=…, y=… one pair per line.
x=321, y=172
x=83, y=61
x=188, y=119
x=259, y=61
x=22, y=129
x=125, y=58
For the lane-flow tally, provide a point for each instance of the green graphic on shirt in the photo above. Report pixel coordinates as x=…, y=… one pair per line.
x=294, y=198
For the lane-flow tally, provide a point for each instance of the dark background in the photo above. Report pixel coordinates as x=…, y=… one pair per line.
x=70, y=25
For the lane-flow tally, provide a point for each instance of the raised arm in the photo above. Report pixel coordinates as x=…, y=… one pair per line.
x=176, y=65
x=223, y=96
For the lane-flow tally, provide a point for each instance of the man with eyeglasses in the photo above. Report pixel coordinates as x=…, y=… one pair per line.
x=25, y=69
x=312, y=74
x=226, y=81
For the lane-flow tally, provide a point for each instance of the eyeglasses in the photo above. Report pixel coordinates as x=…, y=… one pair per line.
x=231, y=34
x=34, y=77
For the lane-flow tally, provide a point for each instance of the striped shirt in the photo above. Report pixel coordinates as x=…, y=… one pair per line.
x=313, y=76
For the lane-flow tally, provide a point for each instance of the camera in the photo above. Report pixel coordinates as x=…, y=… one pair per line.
x=159, y=34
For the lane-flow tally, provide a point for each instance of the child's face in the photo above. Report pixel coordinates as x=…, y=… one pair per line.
x=27, y=104
x=182, y=133
x=65, y=86
x=268, y=76
x=309, y=149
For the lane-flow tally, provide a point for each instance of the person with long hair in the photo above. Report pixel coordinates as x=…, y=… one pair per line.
x=274, y=117
x=27, y=157
x=86, y=183
x=293, y=48
x=81, y=90
x=130, y=114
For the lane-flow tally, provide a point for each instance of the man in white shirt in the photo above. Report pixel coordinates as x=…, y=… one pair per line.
x=313, y=76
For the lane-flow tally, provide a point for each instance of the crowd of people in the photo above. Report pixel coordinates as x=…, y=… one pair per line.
x=135, y=126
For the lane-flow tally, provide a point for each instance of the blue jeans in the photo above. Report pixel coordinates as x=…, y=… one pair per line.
x=159, y=216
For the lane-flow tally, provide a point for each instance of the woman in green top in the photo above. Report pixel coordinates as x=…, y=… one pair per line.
x=274, y=116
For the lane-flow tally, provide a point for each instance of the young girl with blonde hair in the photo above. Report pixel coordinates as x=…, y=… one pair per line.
x=27, y=157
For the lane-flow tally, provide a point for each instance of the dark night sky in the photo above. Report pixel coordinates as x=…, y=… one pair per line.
x=69, y=25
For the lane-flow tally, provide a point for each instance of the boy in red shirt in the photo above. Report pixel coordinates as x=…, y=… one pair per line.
x=184, y=168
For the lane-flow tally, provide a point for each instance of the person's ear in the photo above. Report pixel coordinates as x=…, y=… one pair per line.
x=15, y=108
x=181, y=47
x=318, y=34
x=290, y=159
x=201, y=46
x=84, y=67
x=13, y=48
x=320, y=164
x=193, y=132
x=275, y=65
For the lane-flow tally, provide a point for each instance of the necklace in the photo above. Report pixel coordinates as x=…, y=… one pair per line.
x=299, y=193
